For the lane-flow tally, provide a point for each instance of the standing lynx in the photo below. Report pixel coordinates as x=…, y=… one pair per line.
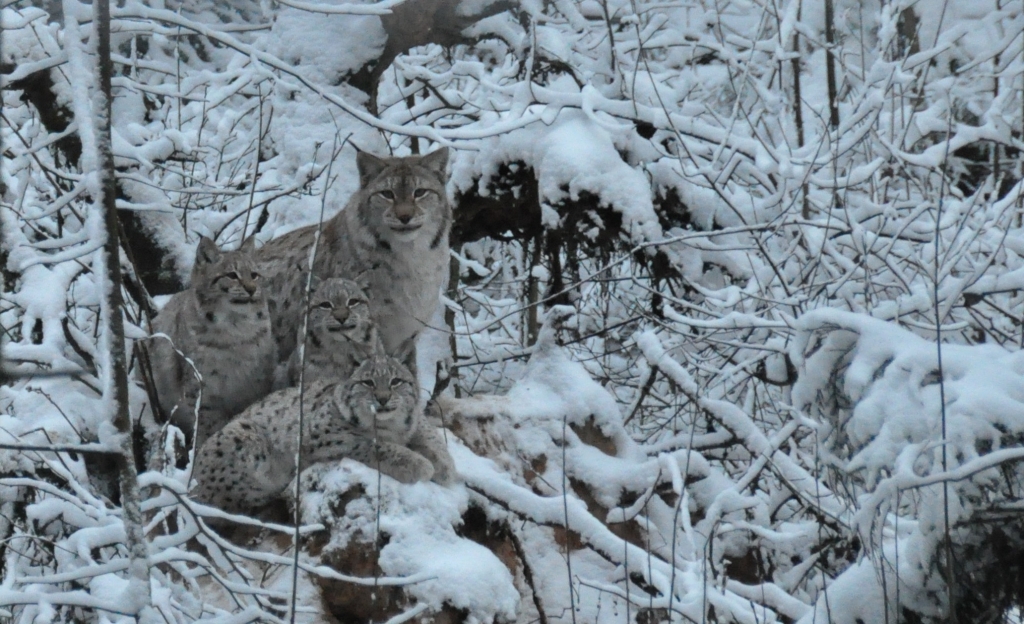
x=340, y=334
x=392, y=236
x=371, y=417
x=222, y=324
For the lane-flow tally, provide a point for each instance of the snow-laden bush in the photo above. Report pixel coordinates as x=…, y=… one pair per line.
x=917, y=439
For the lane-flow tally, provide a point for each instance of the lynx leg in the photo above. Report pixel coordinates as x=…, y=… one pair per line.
x=396, y=461
x=237, y=469
x=429, y=443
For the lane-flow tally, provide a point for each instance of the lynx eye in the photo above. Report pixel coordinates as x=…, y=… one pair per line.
x=231, y=275
x=367, y=382
x=354, y=302
x=397, y=382
x=254, y=275
x=420, y=193
x=326, y=305
x=386, y=194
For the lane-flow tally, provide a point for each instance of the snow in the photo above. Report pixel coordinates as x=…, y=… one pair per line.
x=314, y=43
x=896, y=426
x=555, y=385
x=652, y=438
x=573, y=154
x=856, y=596
x=420, y=521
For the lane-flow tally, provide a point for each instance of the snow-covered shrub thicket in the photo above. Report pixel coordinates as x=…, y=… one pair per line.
x=764, y=217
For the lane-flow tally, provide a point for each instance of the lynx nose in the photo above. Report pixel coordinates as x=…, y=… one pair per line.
x=405, y=218
x=341, y=314
x=382, y=397
x=250, y=287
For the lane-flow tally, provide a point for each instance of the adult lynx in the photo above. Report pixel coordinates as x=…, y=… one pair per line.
x=219, y=322
x=392, y=236
x=371, y=417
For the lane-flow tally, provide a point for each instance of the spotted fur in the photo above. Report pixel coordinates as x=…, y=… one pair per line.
x=371, y=417
x=222, y=324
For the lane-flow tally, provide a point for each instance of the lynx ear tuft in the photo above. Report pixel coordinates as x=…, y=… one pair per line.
x=369, y=167
x=406, y=354
x=248, y=245
x=436, y=161
x=207, y=252
x=362, y=280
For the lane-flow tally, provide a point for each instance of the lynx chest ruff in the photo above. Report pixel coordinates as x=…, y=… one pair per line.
x=404, y=294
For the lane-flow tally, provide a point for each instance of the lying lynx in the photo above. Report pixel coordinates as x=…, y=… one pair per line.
x=219, y=322
x=392, y=235
x=340, y=334
x=371, y=417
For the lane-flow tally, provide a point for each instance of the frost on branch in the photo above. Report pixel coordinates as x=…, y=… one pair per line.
x=876, y=392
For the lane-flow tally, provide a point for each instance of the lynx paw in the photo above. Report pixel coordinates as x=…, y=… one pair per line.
x=412, y=468
x=444, y=471
x=429, y=443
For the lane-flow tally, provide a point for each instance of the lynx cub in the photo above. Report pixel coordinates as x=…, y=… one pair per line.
x=371, y=417
x=340, y=334
x=392, y=234
x=220, y=322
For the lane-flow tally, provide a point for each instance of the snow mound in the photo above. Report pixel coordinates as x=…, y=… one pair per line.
x=419, y=525
x=572, y=155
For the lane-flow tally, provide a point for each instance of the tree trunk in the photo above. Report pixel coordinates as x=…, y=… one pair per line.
x=833, y=90
x=109, y=276
x=798, y=108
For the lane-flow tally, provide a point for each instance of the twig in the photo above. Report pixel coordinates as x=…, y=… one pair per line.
x=297, y=513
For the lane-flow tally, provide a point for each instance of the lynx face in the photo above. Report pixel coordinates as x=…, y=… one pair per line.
x=404, y=195
x=381, y=395
x=226, y=278
x=339, y=310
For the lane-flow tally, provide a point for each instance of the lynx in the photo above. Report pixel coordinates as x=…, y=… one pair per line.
x=219, y=322
x=340, y=334
x=392, y=236
x=371, y=417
